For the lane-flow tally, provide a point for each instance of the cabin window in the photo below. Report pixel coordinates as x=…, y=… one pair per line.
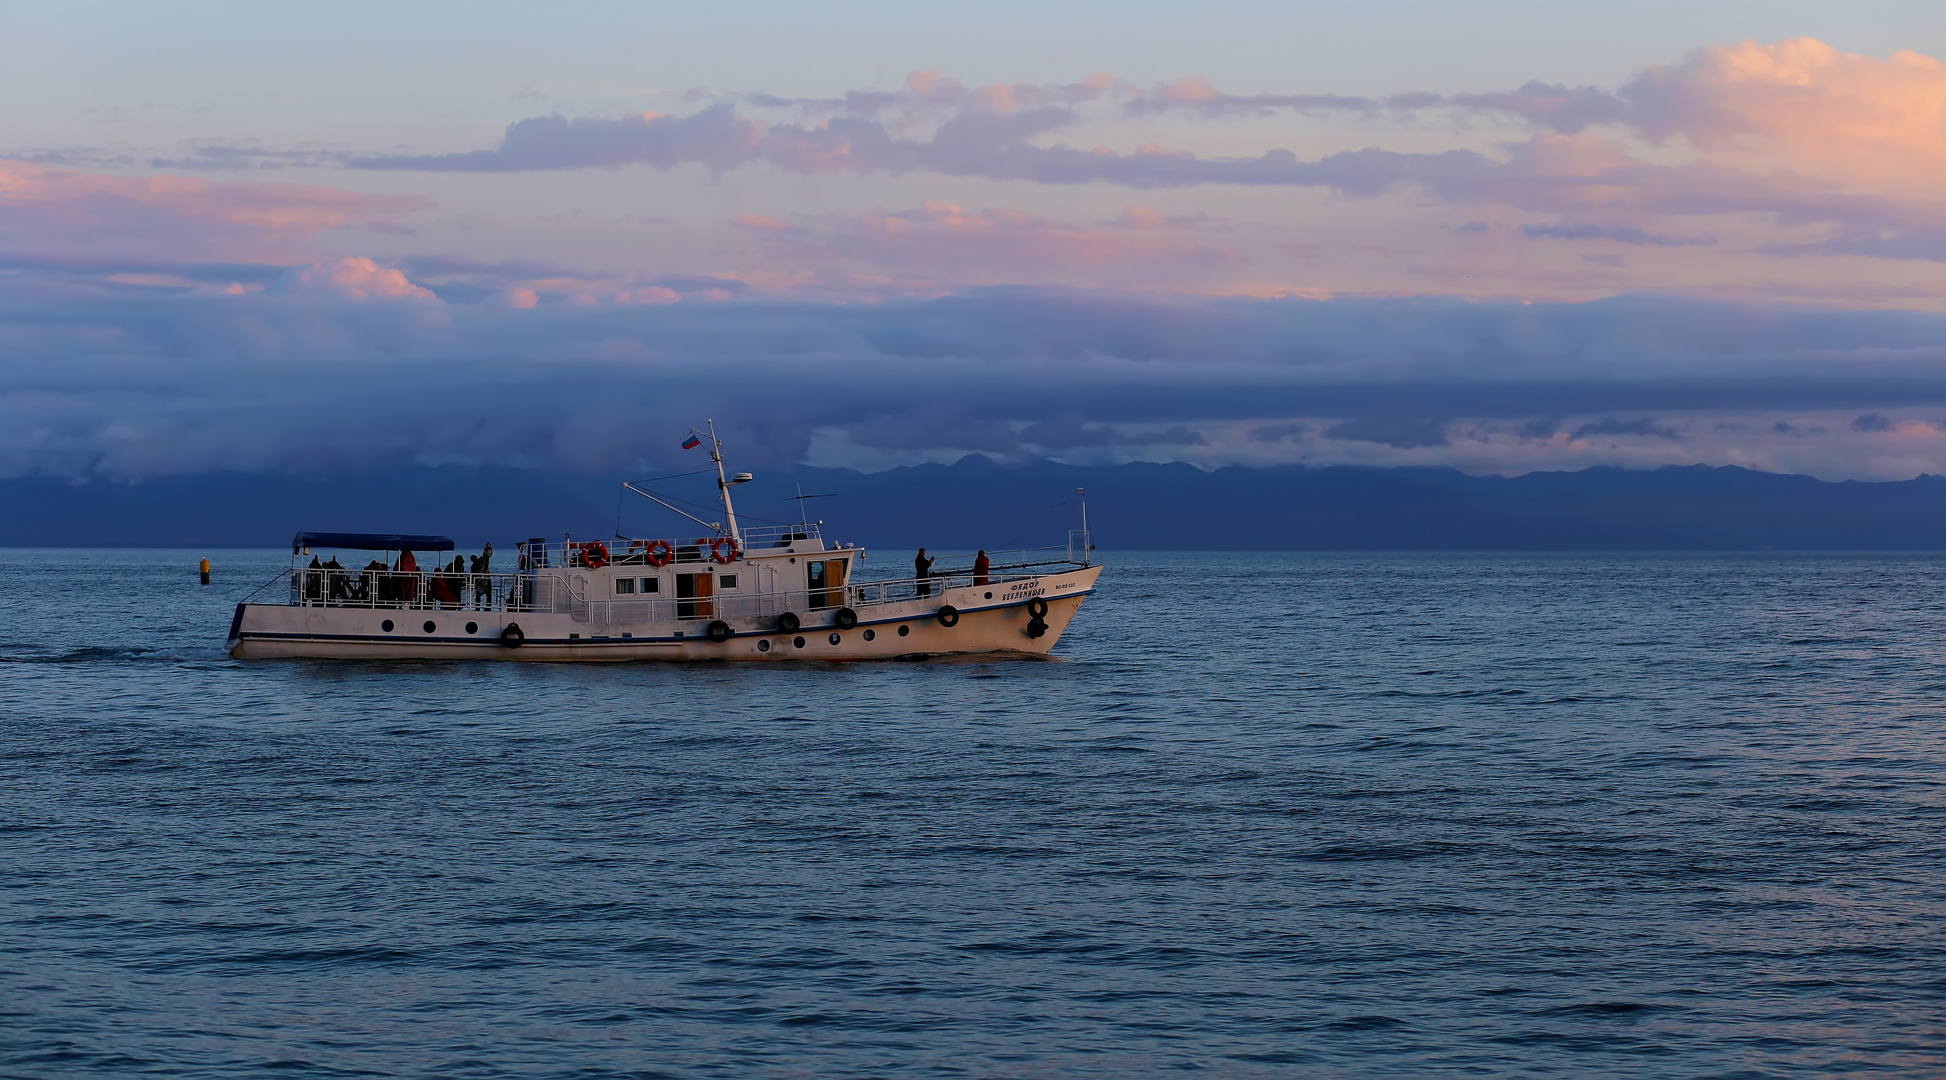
x=826, y=581
x=726, y=581
x=624, y=586
x=651, y=585
x=693, y=592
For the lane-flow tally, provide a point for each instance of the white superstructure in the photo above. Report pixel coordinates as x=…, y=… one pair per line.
x=773, y=593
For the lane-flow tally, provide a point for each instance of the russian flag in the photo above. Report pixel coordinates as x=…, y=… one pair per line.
x=692, y=443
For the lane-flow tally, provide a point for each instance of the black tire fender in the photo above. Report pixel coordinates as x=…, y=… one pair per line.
x=513, y=636
x=718, y=631
x=845, y=619
x=1037, y=608
x=948, y=615
x=1036, y=628
x=788, y=622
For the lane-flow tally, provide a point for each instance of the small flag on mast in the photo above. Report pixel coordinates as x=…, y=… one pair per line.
x=692, y=442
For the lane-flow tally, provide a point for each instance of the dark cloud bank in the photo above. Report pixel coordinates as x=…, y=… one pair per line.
x=135, y=385
x=979, y=503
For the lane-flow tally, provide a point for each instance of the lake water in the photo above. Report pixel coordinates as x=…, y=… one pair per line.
x=1264, y=815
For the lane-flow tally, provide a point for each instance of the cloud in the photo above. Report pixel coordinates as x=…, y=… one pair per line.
x=715, y=137
x=175, y=217
x=1641, y=427
x=1278, y=433
x=1564, y=109
x=1804, y=104
x=1623, y=234
x=973, y=143
x=355, y=279
x=1799, y=103
x=1406, y=433
x=1834, y=154
x=1071, y=432
x=144, y=385
x=1871, y=422
x=1857, y=165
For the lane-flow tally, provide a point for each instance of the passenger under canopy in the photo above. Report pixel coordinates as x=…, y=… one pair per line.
x=371, y=541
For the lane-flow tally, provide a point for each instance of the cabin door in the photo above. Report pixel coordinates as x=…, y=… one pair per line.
x=693, y=593
x=827, y=583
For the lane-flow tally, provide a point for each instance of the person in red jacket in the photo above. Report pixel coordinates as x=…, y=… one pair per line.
x=408, y=577
x=981, y=567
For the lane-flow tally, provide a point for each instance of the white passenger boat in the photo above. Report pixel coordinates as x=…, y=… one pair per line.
x=774, y=593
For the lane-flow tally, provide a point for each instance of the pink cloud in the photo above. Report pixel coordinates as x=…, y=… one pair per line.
x=1804, y=105
x=350, y=279
x=180, y=216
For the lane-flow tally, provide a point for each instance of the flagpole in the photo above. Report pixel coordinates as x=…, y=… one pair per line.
x=723, y=483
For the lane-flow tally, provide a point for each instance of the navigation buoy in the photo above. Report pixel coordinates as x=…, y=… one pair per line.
x=206, y=571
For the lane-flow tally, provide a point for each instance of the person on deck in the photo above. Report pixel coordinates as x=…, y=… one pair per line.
x=408, y=579
x=982, y=566
x=482, y=582
x=922, y=573
x=444, y=587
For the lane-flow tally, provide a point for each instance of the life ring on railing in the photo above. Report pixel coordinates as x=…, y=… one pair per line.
x=659, y=552
x=716, y=549
x=1037, y=607
x=596, y=555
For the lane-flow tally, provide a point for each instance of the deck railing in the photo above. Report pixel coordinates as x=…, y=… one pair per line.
x=553, y=592
x=628, y=552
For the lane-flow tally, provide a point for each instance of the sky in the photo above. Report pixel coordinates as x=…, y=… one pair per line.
x=1498, y=237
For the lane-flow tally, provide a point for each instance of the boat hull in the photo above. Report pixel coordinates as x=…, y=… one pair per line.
x=992, y=619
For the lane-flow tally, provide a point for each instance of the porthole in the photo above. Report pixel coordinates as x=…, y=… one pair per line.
x=798, y=641
x=763, y=646
x=989, y=596
x=474, y=628
x=431, y=626
x=835, y=639
x=871, y=635
x=386, y=626
x=904, y=630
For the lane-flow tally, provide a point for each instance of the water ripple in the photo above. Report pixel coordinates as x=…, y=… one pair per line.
x=1511, y=815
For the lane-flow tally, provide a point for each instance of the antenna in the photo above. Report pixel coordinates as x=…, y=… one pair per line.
x=803, y=516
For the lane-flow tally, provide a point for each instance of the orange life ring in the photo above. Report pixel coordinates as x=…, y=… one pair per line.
x=596, y=555
x=716, y=549
x=660, y=552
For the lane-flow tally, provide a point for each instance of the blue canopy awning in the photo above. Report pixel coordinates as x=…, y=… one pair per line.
x=372, y=541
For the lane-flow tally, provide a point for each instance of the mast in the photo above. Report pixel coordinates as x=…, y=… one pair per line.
x=1086, y=546
x=723, y=482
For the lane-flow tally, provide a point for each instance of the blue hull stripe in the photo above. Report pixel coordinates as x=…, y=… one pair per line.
x=235, y=635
